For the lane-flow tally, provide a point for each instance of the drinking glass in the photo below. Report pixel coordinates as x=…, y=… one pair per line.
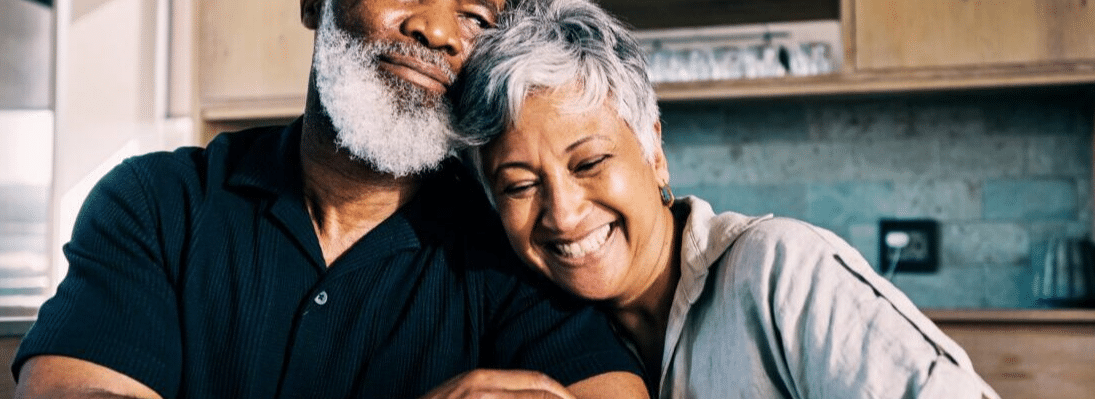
x=727, y=63
x=658, y=69
x=751, y=62
x=800, y=61
x=700, y=63
x=821, y=58
x=770, y=62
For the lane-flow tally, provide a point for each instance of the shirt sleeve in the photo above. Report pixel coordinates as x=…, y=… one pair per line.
x=539, y=327
x=844, y=332
x=115, y=307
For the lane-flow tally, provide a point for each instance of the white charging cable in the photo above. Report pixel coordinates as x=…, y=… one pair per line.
x=895, y=241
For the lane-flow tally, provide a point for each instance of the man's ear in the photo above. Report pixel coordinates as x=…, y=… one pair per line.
x=310, y=12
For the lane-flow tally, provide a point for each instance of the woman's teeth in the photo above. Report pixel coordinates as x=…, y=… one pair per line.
x=584, y=246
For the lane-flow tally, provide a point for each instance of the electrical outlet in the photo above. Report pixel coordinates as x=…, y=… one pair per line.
x=920, y=254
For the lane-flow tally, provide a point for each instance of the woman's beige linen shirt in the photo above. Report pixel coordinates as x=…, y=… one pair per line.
x=775, y=307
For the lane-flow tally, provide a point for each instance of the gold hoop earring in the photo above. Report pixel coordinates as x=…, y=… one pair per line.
x=667, y=195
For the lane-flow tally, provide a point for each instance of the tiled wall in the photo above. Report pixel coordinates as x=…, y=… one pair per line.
x=1002, y=173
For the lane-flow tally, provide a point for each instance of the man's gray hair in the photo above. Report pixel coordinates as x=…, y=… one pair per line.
x=542, y=45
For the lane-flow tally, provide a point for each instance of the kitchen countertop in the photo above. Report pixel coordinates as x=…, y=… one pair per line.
x=1011, y=315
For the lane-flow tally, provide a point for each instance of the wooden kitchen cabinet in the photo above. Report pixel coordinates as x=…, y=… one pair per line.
x=1027, y=353
x=251, y=63
x=899, y=46
x=251, y=58
x=896, y=34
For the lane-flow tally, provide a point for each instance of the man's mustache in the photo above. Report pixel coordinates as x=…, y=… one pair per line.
x=415, y=50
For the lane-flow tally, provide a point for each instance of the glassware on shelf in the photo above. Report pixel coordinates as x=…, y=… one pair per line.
x=713, y=60
x=751, y=61
x=821, y=58
x=658, y=65
x=770, y=64
x=727, y=63
x=813, y=58
x=678, y=69
x=701, y=63
x=799, y=62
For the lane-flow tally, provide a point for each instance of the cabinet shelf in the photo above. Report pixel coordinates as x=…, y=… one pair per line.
x=257, y=108
x=785, y=87
x=881, y=82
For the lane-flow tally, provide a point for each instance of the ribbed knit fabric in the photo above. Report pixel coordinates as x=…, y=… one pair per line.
x=198, y=273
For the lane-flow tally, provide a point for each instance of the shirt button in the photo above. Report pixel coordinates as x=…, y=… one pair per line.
x=321, y=298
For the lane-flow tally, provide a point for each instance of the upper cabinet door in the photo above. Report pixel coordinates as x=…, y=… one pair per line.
x=898, y=34
x=252, y=50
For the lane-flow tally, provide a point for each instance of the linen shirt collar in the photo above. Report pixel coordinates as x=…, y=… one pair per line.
x=705, y=238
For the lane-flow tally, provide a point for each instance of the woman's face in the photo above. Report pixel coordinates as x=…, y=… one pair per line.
x=579, y=201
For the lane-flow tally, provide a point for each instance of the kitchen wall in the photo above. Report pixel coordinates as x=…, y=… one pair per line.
x=1002, y=173
x=26, y=55
x=26, y=157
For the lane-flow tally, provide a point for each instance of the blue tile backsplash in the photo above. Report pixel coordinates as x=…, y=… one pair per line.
x=1001, y=173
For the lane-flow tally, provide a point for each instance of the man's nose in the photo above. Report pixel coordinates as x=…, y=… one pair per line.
x=564, y=207
x=435, y=25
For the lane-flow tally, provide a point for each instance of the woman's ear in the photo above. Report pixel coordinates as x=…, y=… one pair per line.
x=661, y=166
x=310, y=12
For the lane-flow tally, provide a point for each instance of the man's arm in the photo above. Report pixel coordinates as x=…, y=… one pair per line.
x=116, y=308
x=51, y=376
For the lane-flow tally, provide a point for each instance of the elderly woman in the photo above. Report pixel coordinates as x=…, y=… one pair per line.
x=715, y=305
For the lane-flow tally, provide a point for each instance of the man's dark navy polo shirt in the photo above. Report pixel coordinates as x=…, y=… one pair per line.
x=198, y=273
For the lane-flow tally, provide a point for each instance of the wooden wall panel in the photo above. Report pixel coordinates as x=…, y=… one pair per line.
x=8, y=345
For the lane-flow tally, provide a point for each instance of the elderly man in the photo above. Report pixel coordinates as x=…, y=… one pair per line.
x=344, y=255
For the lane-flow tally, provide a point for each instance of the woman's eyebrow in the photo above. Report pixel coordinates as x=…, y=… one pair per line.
x=516, y=164
x=523, y=165
x=583, y=140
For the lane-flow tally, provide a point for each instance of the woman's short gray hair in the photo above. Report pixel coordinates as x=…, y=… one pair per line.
x=549, y=44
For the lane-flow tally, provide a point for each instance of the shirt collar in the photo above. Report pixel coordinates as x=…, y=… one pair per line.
x=449, y=197
x=706, y=237
x=270, y=163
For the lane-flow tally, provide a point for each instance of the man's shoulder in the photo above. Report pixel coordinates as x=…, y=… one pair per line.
x=467, y=224
x=455, y=202
x=197, y=165
x=460, y=218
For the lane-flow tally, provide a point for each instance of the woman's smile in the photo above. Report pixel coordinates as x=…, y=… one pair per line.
x=582, y=247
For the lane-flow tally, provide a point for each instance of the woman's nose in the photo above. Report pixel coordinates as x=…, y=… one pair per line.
x=436, y=26
x=564, y=208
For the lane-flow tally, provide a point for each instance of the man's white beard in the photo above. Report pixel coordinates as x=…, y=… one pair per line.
x=394, y=125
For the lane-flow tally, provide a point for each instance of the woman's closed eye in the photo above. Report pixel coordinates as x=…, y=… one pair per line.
x=591, y=165
x=520, y=189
